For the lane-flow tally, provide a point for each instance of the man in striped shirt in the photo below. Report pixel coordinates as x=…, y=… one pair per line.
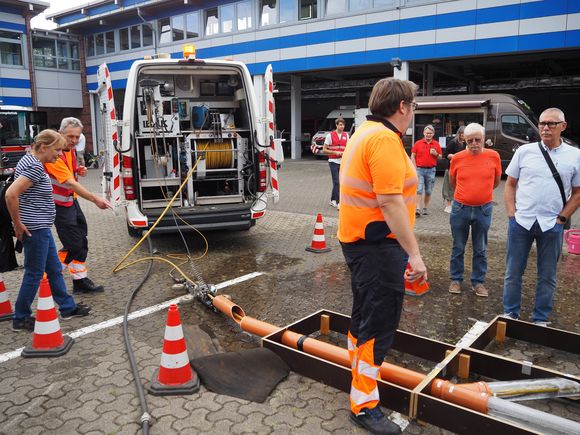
x=70, y=223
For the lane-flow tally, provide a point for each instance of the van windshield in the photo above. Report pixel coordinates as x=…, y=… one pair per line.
x=329, y=124
x=528, y=111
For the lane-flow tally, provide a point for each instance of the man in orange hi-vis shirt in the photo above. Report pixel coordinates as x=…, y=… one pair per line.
x=378, y=186
x=70, y=222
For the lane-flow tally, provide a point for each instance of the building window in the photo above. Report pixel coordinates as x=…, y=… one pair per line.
x=244, y=14
x=268, y=12
x=135, y=36
x=385, y=3
x=212, y=24
x=164, y=30
x=110, y=42
x=10, y=48
x=192, y=25
x=334, y=7
x=288, y=11
x=147, y=33
x=308, y=9
x=359, y=5
x=55, y=53
x=100, y=44
x=124, y=39
x=227, y=18
x=90, y=43
x=178, y=28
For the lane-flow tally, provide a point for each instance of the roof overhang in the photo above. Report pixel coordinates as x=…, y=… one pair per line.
x=34, y=7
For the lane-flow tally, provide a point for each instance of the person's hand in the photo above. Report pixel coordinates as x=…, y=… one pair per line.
x=449, y=156
x=417, y=270
x=19, y=230
x=82, y=171
x=102, y=203
x=433, y=151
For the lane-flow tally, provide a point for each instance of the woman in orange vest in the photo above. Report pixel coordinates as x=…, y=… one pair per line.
x=334, y=145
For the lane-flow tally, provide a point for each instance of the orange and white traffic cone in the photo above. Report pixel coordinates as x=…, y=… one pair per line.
x=47, y=340
x=5, y=307
x=318, y=244
x=416, y=288
x=175, y=376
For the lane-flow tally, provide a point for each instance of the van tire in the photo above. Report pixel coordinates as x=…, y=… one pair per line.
x=134, y=232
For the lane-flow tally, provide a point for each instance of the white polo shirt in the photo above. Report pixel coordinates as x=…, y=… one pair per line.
x=537, y=193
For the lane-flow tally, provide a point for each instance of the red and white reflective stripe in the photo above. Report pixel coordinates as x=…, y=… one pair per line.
x=273, y=163
x=45, y=303
x=46, y=328
x=112, y=181
x=174, y=361
x=77, y=269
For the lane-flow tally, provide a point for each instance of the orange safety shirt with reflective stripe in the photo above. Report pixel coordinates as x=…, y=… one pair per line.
x=59, y=172
x=374, y=162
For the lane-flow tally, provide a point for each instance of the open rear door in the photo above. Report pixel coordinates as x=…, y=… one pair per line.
x=111, y=182
x=272, y=152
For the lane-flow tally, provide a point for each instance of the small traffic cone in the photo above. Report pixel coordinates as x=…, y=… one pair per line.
x=318, y=244
x=47, y=340
x=5, y=307
x=416, y=288
x=175, y=376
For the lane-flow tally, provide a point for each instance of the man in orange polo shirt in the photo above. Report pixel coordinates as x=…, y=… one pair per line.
x=70, y=222
x=378, y=185
x=474, y=173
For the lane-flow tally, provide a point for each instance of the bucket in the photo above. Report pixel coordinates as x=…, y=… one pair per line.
x=572, y=238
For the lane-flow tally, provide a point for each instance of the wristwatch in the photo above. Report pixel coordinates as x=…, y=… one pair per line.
x=562, y=219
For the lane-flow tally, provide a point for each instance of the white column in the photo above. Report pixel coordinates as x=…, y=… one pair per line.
x=402, y=73
x=296, y=116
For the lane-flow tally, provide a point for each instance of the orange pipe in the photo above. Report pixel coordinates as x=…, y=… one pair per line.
x=473, y=395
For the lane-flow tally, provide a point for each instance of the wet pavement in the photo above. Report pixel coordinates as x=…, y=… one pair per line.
x=90, y=390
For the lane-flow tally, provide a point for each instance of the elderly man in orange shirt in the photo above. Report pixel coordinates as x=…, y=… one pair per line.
x=474, y=173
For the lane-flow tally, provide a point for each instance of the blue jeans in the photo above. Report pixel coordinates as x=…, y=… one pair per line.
x=478, y=218
x=40, y=256
x=519, y=243
x=426, y=180
x=334, y=169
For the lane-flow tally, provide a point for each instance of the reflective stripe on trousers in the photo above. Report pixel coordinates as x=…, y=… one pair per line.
x=364, y=392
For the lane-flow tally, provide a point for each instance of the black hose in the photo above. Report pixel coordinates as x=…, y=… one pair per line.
x=145, y=416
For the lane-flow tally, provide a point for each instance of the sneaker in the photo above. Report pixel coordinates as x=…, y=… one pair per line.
x=480, y=290
x=333, y=203
x=338, y=206
x=418, y=212
x=455, y=287
x=26, y=324
x=81, y=310
x=510, y=316
x=540, y=323
x=425, y=212
x=85, y=285
x=447, y=209
x=374, y=421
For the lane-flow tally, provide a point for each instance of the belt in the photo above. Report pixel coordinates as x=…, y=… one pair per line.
x=426, y=167
x=363, y=242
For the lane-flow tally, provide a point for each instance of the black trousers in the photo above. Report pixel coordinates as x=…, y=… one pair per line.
x=71, y=227
x=378, y=288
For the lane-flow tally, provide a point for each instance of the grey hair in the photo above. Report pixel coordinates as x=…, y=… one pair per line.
x=474, y=128
x=556, y=111
x=70, y=122
x=429, y=127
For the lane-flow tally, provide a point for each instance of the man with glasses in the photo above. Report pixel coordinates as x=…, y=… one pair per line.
x=474, y=173
x=537, y=211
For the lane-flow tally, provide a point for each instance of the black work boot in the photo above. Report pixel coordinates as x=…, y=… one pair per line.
x=375, y=421
x=85, y=285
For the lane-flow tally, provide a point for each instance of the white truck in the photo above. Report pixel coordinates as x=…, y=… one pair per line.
x=191, y=129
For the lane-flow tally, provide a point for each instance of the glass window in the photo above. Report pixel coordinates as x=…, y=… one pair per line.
x=99, y=44
x=110, y=42
x=244, y=10
x=124, y=39
x=10, y=48
x=147, y=35
x=227, y=18
x=517, y=126
x=288, y=10
x=268, y=12
x=178, y=28
x=211, y=22
x=63, y=53
x=308, y=9
x=75, y=55
x=192, y=25
x=135, y=36
x=44, y=52
x=360, y=5
x=164, y=30
x=386, y=3
x=90, y=42
x=334, y=7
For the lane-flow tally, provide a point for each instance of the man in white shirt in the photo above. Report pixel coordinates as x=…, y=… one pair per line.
x=80, y=150
x=534, y=206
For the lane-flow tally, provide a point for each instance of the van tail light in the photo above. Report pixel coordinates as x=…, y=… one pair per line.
x=262, y=168
x=128, y=183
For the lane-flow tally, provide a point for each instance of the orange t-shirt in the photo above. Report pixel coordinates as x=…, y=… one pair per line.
x=60, y=170
x=374, y=162
x=475, y=175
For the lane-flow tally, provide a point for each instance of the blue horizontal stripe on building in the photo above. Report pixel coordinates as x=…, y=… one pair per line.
x=12, y=26
x=16, y=101
x=14, y=83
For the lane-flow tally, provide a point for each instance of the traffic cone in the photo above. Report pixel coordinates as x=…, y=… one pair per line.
x=416, y=288
x=318, y=244
x=47, y=340
x=5, y=307
x=175, y=376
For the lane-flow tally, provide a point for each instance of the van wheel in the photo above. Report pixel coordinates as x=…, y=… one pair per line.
x=134, y=232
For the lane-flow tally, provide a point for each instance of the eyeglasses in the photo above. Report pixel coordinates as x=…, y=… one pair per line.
x=549, y=124
x=413, y=105
x=474, y=140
